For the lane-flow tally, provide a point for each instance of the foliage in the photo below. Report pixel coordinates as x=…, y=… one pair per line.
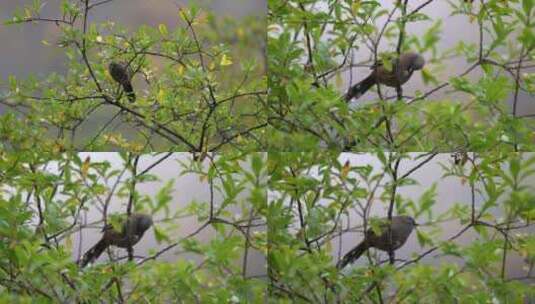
x=42, y=205
x=199, y=86
x=317, y=198
x=313, y=44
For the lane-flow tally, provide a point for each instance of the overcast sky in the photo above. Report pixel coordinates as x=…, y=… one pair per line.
x=450, y=191
x=22, y=51
x=188, y=188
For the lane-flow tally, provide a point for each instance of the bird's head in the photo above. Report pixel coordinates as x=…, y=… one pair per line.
x=415, y=61
x=116, y=66
x=408, y=220
x=143, y=222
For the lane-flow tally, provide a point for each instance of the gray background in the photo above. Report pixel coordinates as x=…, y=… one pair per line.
x=22, y=53
x=454, y=30
x=450, y=190
x=187, y=188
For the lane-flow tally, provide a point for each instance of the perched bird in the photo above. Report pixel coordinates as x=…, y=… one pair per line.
x=122, y=73
x=400, y=73
x=132, y=231
x=400, y=227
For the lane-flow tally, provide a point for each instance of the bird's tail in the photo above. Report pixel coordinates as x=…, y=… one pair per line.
x=129, y=91
x=92, y=254
x=360, y=88
x=352, y=255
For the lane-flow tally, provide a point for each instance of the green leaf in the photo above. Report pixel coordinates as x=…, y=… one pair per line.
x=160, y=235
x=423, y=238
x=527, y=6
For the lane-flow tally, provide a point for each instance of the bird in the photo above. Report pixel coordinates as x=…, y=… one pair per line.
x=401, y=227
x=131, y=232
x=122, y=73
x=399, y=74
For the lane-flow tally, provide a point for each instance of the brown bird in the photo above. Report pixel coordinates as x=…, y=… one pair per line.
x=401, y=72
x=122, y=73
x=400, y=228
x=132, y=231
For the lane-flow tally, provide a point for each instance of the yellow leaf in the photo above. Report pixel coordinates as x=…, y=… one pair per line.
x=387, y=63
x=45, y=42
x=136, y=147
x=355, y=7
x=183, y=14
x=107, y=75
x=85, y=166
x=58, y=147
x=163, y=29
x=225, y=60
x=345, y=170
x=180, y=70
x=161, y=95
